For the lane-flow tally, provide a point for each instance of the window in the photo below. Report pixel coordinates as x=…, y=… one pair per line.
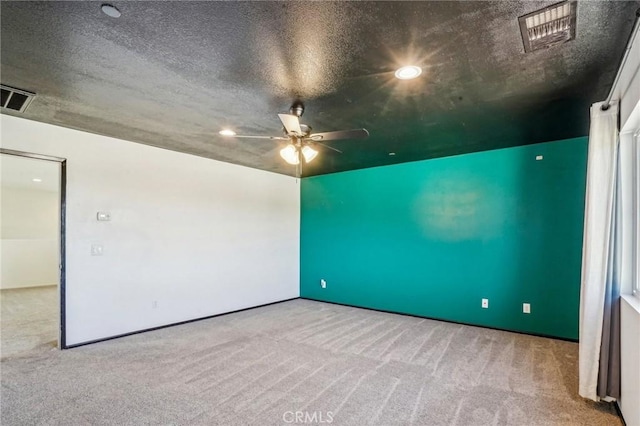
x=628, y=206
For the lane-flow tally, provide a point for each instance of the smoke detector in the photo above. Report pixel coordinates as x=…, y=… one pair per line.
x=551, y=26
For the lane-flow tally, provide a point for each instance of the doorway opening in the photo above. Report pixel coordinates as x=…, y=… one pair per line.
x=32, y=234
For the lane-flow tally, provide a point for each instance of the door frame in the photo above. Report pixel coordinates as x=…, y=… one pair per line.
x=62, y=330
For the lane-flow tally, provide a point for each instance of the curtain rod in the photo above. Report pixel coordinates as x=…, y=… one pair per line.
x=632, y=36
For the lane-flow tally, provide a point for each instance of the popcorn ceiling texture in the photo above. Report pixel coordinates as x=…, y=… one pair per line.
x=172, y=74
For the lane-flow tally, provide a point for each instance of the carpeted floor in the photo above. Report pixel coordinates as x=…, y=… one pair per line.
x=332, y=364
x=28, y=319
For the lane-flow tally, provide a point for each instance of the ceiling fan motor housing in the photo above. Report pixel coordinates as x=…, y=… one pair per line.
x=297, y=109
x=306, y=129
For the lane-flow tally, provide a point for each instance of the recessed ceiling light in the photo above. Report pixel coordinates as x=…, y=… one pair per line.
x=36, y=180
x=110, y=10
x=227, y=132
x=408, y=72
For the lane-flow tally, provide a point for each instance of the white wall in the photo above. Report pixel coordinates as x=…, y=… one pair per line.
x=630, y=360
x=29, y=236
x=197, y=236
x=628, y=88
x=628, y=92
x=630, y=305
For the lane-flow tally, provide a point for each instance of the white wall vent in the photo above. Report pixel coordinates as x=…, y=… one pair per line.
x=551, y=26
x=15, y=99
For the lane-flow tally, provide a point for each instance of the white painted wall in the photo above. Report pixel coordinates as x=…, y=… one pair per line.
x=198, y=236
x=628, y=88
x=628, y=93
x=630, y=359
x=29, y=236
x=630, y=305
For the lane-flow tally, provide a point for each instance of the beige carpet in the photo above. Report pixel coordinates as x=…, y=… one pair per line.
x=28, y=320
x=327, y=362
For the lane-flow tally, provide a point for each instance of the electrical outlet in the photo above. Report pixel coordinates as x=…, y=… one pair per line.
x=323, y=284
x=96, y=250
x=526, y=308
x=485, y=303
x=154, y=304
x=103, y=216
x=539, y=157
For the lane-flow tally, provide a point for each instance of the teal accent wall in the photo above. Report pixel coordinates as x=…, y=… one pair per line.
x=432, y=238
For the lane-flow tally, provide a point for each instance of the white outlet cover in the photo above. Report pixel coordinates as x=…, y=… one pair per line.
x=323, y=283
x=485, y=303
x=526, y=308
x=539, y=157
x=103, y=216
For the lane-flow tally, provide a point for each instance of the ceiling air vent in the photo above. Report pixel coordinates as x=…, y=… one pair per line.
x=15, y=99
x=548, y=27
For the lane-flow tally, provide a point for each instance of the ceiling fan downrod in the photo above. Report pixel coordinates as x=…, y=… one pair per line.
x=297, y=109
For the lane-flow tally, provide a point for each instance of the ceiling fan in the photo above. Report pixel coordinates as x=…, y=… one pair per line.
x=300, y=138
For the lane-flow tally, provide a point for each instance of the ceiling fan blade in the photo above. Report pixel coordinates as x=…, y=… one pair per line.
x=273, y=138
x=327, y=146
x=291, y=124
x=340, y=134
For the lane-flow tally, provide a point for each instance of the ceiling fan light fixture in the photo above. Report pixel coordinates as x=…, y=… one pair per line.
x=227, y=132
x=309, y=153
x=290, y=154
x=408, y=72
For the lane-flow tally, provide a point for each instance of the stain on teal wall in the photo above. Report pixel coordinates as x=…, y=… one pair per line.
x=432, y=238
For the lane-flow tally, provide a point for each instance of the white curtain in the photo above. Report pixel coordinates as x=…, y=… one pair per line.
x=597, y=258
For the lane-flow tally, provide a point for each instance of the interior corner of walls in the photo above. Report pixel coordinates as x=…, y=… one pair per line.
x=500, y=210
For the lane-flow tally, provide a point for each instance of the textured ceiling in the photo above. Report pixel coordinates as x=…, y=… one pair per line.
x=172, y=74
